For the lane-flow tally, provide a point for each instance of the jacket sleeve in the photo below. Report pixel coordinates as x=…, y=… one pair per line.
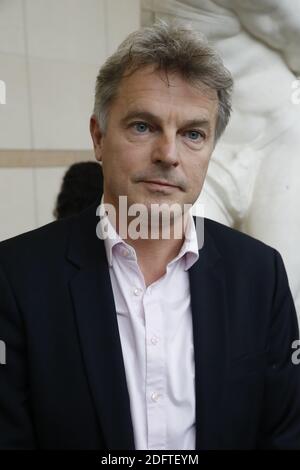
x=16, y=425
x=280, y=424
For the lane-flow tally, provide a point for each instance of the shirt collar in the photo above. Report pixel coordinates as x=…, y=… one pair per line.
x=189, y=249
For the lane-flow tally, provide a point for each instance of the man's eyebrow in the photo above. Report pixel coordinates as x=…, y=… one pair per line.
x=135, y=114
x=197, y=123
x=148, y=116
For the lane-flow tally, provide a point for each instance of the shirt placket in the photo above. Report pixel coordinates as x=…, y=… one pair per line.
x=155, y=373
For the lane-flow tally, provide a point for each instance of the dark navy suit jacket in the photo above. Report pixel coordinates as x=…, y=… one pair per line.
x=64, y=386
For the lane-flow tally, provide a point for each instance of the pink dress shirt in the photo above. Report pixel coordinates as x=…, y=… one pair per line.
x=155, y=327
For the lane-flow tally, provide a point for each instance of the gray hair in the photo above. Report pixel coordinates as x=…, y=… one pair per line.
x=171, y=48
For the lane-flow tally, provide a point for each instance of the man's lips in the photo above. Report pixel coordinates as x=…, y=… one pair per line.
x=161, y=183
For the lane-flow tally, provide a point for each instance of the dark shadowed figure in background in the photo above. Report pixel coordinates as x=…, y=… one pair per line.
x=81, y=186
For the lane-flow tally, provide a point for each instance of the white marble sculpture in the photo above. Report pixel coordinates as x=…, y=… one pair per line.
x=253, y=182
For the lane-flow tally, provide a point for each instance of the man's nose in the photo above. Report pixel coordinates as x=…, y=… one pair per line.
x=165, y=150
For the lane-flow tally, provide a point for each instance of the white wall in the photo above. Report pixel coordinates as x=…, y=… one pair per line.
x=50, y=54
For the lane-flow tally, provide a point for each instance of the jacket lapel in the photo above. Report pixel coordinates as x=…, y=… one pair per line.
x=98, y=332
x=209, y=311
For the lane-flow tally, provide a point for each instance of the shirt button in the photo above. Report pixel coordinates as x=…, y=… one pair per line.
x=137, y=291
x=155, y=397
x=125, y=252
x=154, y=340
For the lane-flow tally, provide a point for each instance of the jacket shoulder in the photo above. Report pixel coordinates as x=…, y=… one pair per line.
x=34, y=242
x=236, y=246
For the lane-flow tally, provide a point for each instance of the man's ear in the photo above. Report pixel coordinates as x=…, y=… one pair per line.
x=97, y=136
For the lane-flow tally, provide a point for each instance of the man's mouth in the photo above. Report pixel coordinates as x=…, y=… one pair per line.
x=160, y=183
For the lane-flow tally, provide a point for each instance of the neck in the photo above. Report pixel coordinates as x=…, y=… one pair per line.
x=160, y=251
x=153, y=256
x=153, y=252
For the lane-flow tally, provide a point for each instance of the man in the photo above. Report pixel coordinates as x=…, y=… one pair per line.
x=149, y=343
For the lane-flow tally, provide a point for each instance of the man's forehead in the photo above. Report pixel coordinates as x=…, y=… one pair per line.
x=167, y=84
x=147, y=91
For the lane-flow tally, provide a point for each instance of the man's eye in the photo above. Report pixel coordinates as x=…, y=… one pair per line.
x=194, y=135
x=141, y=127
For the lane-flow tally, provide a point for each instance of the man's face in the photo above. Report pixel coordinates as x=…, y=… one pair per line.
x=156, y=131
